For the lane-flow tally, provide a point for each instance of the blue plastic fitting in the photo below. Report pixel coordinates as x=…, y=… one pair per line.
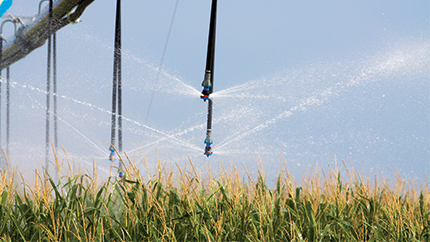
x=205, y=93
x=112, y=152
x=208, y=148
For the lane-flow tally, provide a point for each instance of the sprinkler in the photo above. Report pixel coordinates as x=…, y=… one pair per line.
x=206, y=86
x=208, y=142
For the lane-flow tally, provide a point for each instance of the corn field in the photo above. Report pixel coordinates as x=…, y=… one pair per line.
x=181, y=204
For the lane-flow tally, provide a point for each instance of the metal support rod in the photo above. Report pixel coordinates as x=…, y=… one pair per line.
x=113, y=118
x=210, y=58
x=54, y=82
x=48, y=86
x=118, y=49
x=116, y=85
x=14, y=21
x=40, y=5
x=7, y=111
x=209, y=120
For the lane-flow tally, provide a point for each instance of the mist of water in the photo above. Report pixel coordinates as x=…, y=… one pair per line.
x=296, y=113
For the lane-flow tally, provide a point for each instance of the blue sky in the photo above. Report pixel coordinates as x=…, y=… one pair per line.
x=307, y=80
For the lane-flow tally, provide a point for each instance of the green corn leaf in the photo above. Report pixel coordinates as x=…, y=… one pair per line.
x=4, y=196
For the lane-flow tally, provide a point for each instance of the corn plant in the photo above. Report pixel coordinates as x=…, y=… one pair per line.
x=179, y=203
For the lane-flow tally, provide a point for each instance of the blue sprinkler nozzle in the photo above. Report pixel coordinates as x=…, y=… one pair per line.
x=208, y=142
x=206, y=86
x=208, y=151
x=205, y=97
x=112, y=153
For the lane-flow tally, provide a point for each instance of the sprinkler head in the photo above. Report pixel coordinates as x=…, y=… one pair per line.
x=206, y=86
x=112, y=152
x=205, y=93
x=205, y=97
x=208, y=151
x=208, y=141
x=207, y=81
